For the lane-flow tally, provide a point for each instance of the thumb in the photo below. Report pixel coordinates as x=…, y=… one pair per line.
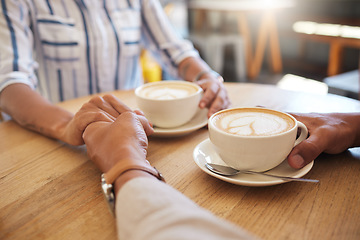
x=305, y=152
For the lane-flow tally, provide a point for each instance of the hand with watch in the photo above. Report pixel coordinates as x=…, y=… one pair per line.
x=148, y=208
x=215, y=95
x=121, y=154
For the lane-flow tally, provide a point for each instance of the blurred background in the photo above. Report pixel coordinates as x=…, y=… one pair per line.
x=304, y=45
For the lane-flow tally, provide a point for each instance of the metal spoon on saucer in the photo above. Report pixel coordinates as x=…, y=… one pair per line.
x=229, y=171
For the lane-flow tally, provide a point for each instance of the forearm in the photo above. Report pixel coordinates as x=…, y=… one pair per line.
x=150, y=209
x=130, y=175
x=190, y=68
x=33, y=112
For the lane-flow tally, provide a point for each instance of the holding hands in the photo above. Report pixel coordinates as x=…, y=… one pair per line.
x=116, y=138
x=121, y=140
x=98, y=109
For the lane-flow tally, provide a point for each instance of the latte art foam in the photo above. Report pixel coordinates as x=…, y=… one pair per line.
x=166, y=92
x=253, y=123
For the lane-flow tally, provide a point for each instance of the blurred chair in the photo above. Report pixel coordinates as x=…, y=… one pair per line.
x=211, y=35
x=212, y=46
x=176, y=10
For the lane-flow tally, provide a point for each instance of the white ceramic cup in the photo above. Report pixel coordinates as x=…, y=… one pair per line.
x=255, y=139
x=169, y=104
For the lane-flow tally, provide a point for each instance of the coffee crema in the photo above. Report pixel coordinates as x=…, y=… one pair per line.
x=168, y=91
x=253, y=122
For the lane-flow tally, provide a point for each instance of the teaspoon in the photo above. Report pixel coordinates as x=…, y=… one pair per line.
x=229, y=171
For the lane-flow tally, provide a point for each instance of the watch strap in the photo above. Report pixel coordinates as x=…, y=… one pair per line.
x=122, y=167
x=107, y=179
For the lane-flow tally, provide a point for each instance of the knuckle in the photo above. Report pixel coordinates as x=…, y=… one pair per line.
x=96, y=100
x=98, y=116
x=109, y=97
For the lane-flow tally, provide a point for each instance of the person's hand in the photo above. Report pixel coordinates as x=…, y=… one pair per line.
x=104, y=109
x=215, y=95
x=330, y=133
x=122, y=140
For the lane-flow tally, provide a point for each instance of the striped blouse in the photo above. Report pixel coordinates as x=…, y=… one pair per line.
x=71, y=48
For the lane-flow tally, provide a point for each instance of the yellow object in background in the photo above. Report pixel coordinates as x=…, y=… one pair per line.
x=151, y=69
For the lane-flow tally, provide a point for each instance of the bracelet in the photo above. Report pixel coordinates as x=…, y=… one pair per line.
x=215, y=74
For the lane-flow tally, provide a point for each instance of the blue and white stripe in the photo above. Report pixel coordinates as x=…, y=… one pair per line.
x=84, y=46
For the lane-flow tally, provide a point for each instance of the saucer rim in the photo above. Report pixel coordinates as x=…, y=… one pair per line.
x=183, y=129
x=243, y=180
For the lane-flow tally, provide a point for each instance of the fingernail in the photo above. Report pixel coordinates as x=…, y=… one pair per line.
x=298, y=161
x=202, y=105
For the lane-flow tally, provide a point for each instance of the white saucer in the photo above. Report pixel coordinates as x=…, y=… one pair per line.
x=205, y=153
x=198, y=121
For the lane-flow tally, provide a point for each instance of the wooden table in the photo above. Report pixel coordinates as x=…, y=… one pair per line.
x=50, y=190
x=267, y=30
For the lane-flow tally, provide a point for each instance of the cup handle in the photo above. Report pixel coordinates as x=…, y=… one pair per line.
x=303, y=134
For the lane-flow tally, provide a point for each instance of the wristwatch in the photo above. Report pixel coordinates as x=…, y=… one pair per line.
x=212, y=72
x=108, y=179
x=109, y=195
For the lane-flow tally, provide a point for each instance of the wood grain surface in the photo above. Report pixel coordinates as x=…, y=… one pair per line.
x=50, y=190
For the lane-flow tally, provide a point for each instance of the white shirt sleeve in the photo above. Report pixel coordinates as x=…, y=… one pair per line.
x=160, y=37
x=150, y=209
x=16, y=63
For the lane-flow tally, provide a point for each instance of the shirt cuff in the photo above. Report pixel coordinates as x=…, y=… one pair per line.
x=15, y=77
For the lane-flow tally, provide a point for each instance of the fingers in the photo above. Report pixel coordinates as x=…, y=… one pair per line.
x=116, y=104
x=113, y=107
x=215, y=96
x=88, y=114
x=221, y=102
x=146, y=125
x=306, y=151
x=109, y=104
x=102, y=104
x=139, y=112
x=210, y=92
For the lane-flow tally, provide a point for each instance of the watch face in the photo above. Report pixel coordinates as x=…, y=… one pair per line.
x=108, y=188
x=159, y=175
x=108, y=192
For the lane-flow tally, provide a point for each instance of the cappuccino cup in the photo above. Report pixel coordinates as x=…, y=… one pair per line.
x=169, y=104
x=255, y=139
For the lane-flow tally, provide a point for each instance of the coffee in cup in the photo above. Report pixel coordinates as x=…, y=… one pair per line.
x=254, y=138
x=169, y=104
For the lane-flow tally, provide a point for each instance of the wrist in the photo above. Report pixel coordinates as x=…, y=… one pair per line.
x=123, y=172
x=129, y=175
x=208, y=74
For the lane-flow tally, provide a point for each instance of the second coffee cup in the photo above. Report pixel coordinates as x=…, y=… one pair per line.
x=255, y=139
x=169, y=104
